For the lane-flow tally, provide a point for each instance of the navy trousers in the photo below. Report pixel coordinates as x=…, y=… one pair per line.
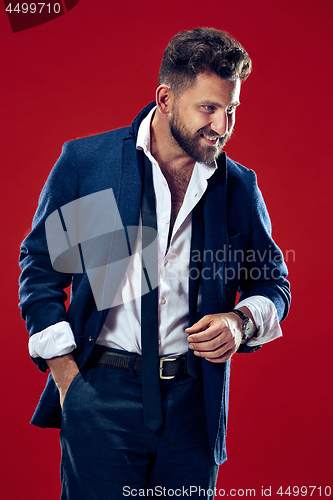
x=109, y=454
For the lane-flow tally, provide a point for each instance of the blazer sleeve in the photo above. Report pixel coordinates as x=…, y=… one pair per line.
x=41, y=287
x=265, y=271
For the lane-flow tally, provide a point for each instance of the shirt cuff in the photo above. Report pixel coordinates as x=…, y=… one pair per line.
x=55, y=340
x=265, y=317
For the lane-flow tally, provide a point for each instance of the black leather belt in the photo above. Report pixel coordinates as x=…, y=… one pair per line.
x=170, y=367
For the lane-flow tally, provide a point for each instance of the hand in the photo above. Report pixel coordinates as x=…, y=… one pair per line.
x=216, y=337
x=63, y=389
x=63, y=369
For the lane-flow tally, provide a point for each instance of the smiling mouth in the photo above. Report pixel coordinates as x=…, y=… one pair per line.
x=209, y=139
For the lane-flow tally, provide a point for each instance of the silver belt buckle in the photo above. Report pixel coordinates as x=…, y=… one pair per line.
x=161, y=368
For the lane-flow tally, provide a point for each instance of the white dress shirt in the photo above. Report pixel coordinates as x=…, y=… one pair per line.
x=122, y=328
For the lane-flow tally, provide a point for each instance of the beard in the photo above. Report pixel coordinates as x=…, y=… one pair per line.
x=192, y=144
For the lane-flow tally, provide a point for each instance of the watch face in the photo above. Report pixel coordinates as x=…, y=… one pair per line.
x=248, y=328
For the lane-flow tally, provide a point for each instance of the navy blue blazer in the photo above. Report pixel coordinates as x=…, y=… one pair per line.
x=231, y=218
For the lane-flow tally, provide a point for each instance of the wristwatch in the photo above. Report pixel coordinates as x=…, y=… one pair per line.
x=248, y=326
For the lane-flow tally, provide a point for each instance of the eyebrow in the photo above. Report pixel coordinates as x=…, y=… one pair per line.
x=218, y=105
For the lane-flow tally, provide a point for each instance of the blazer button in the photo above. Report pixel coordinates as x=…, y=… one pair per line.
x=90, y=340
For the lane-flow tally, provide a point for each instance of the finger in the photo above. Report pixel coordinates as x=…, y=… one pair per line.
x=216, y=353
x=210, y=345
x=222, y=359
x=217, y=329
x=200, y=325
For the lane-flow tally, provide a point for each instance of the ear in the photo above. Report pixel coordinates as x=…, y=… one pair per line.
x=164, y=99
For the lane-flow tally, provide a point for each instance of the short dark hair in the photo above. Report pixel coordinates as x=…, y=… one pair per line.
x=201, y=50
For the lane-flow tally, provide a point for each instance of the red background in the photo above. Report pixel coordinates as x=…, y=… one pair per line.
x=92, y=70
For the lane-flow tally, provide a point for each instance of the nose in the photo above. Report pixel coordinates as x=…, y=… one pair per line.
x=220, y=123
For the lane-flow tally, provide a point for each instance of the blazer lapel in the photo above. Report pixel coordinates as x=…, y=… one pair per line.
x=128, y=196
x=209, y=244
x=215, y=240
x=209, y=234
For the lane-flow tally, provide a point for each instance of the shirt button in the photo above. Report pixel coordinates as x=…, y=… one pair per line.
x=160, y=261
x=164, y=183
x=163, y=301
x=167, y=221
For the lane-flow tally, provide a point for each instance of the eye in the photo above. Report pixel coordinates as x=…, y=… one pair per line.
x=207, y=107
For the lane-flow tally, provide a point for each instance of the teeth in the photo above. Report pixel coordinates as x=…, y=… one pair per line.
x=210, y=138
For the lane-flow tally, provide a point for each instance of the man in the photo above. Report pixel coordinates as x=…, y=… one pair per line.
x=156, y=424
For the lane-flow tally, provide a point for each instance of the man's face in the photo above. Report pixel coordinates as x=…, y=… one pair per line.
x=203, y=117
